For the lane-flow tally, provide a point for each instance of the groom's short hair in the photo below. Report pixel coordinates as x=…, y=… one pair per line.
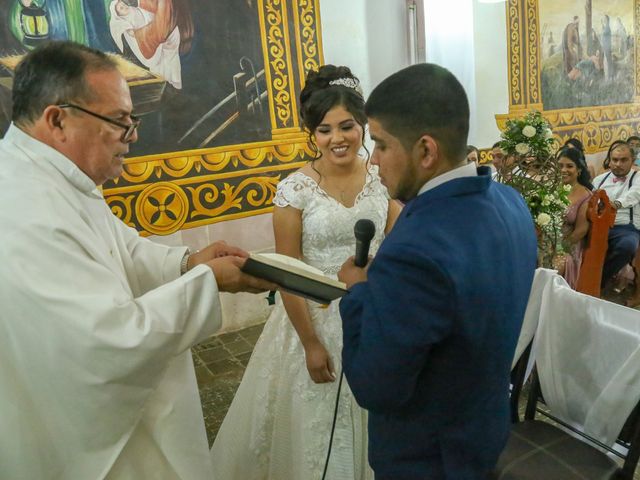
x=423, y=99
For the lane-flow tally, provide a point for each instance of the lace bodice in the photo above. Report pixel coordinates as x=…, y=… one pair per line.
x=327, y=225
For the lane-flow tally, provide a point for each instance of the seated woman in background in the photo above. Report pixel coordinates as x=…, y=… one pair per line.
x=577, y=144
x=576, y=226
x=473, y=154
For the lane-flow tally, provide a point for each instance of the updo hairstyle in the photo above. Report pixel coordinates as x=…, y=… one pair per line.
x=329, y=87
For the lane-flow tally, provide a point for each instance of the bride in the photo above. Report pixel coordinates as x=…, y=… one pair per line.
x=279, y=423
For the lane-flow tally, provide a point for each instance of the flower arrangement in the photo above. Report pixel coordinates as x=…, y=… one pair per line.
x=529, y=136
x=532, y=169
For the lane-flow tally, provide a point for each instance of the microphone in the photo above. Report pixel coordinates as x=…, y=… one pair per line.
x=364, y=231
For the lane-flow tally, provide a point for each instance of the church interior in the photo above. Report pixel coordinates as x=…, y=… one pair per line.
x=219, y=103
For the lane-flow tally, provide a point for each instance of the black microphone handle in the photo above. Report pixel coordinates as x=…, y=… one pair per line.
x=362, y=253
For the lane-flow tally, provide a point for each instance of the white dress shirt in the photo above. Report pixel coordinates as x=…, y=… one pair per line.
x=629, y=197
x=467, y=170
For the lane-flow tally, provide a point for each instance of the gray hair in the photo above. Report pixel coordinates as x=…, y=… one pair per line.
x=52, y=74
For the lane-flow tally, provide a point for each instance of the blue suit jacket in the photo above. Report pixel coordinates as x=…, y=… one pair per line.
x=429, y=337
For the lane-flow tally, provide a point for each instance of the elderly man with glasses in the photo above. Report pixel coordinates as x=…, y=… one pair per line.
x=96, y=324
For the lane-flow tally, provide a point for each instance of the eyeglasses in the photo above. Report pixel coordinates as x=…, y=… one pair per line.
x=129, y=128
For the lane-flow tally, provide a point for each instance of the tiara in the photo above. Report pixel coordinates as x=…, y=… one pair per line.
x=349, y=83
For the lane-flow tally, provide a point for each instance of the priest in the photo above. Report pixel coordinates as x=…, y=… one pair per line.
x=96, y=324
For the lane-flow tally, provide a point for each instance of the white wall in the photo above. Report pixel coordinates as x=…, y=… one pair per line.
x=344, y=36
x=368, y=36
x=450, y=43
x=386, y=26
x=492, y=94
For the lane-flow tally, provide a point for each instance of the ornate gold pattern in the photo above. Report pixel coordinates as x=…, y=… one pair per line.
x=206, y=198
x=596, y=126
x=162, y=208
x=161, y=194
x=122, y=207
x=166, y=207
x=636, y=26
x=274, y=23
x=533, y=52
x=216, y=160
x=486, y=156
x=515, y=52
x=307, y=20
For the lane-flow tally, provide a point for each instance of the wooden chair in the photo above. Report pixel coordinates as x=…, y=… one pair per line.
x=539, y=450
x=601, y=215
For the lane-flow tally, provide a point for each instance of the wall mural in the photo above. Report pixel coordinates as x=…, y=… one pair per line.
x=215, y=83
x=577, y=63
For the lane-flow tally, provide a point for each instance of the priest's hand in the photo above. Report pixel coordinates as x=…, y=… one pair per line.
x=230, y=278
x=215, y=250
x=350, y=274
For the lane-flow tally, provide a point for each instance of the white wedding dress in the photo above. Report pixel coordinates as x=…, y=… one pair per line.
x=279, y=422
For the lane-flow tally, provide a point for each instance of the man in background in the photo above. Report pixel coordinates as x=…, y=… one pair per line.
x=622, y=185
x=96, y=374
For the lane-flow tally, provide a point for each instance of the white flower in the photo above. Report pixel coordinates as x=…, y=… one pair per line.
x=548, y=133
x=522, y=148
x=529, y=131
x=567, y=188
x=543, y=219
x=546, y=201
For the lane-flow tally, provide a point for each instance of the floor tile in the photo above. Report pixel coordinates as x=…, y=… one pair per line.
x=214, y=354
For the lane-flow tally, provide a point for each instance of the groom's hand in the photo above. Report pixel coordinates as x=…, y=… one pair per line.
x=350, y=274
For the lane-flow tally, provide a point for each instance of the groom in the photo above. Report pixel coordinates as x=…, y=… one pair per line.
x=430, y=328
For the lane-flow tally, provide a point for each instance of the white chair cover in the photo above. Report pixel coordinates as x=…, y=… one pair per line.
x=587, y=352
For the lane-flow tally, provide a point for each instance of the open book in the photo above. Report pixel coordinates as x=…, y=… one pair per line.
x=295, y=276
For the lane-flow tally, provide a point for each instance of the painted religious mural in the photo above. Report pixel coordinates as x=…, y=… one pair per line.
x=587, y=53
x=577, y=63
x=215, y=83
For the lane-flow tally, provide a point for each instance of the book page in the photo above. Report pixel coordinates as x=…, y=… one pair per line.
x=294, y=265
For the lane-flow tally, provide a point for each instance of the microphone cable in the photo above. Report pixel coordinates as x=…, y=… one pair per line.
x=333, y=425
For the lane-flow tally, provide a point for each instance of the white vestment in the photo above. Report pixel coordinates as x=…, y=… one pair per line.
x=96, y=325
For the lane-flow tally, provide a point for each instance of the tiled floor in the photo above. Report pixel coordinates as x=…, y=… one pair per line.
x=220, y=364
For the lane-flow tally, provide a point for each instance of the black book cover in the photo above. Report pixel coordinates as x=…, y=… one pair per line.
x=295, y=277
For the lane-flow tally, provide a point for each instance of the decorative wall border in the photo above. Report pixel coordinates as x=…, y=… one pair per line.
x=161, y=194
x=595, y=126
x=485, y=156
